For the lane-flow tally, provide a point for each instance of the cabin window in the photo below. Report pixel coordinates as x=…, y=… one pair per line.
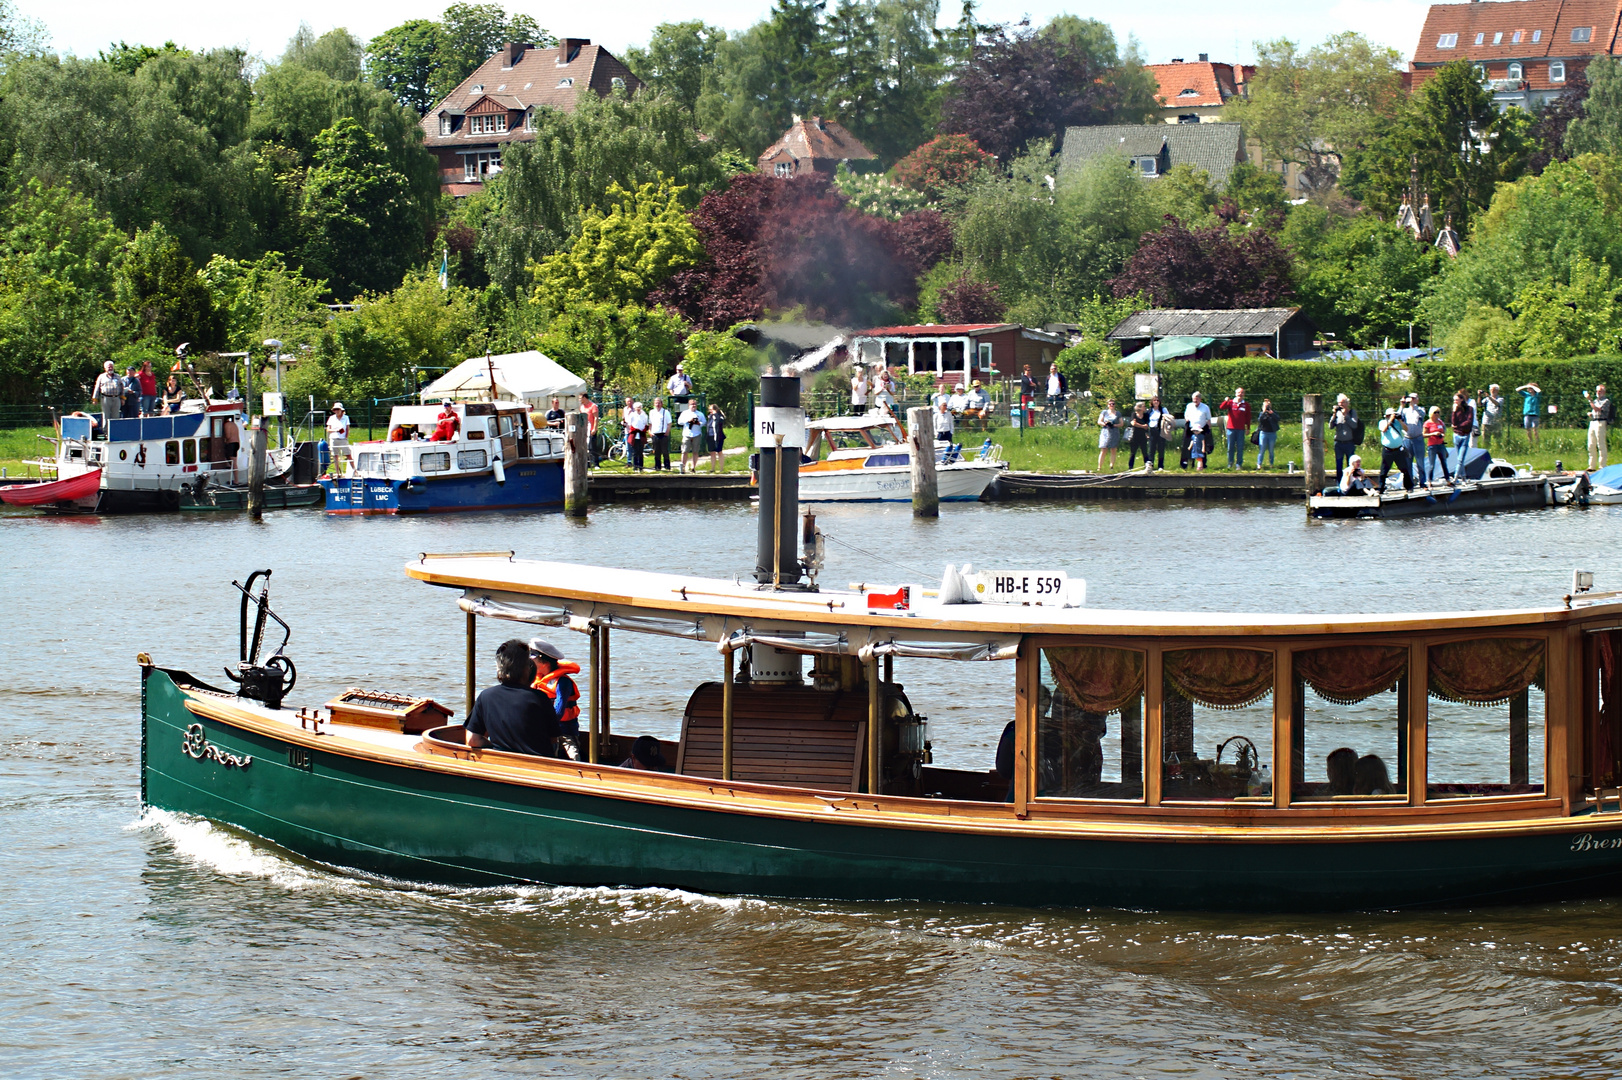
x=1217, y=724
x=1484, y=730
x=881, y=461
x=189, y=447
x=435, y=462
x=951, y=356
x=1350, y=722
x=366, y=463
x=475, y=433
x=1089, y=724
x=171, y=452
x=472, y=459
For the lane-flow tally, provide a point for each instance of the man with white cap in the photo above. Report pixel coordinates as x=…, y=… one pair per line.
x=552, y=673
x=338, y=436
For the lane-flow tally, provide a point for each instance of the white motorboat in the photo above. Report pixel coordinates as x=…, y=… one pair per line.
x=865, y=459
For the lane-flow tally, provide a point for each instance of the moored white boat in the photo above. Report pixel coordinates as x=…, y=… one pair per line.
x=867, y=460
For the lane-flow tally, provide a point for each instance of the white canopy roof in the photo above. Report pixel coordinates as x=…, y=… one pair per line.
x=530, y=377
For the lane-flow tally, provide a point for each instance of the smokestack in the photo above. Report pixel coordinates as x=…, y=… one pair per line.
x=779, y=438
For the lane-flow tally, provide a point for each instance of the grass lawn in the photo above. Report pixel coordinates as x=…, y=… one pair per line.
x=19, y=443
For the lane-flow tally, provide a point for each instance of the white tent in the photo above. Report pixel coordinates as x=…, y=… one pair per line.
x=530, y=377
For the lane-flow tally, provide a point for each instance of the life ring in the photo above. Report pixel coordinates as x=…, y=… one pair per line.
x=140, y=456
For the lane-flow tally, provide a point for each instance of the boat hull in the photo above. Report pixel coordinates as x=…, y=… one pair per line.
x=436, y=824
x=528, y=484
x=956, y=483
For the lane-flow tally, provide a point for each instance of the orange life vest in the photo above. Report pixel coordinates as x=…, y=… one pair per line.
x=548, y=685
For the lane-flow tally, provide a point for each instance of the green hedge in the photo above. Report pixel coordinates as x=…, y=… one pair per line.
x=1285, y=381
x=1562, y=381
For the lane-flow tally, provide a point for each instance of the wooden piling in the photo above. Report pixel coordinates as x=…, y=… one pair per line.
x=926, y=496
x=1312, y=442
x=577, y=437
x=256, y=469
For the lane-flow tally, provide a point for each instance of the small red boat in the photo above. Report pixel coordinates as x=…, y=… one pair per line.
x=83, y=486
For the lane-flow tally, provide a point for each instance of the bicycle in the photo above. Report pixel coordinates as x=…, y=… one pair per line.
x=1060, y=415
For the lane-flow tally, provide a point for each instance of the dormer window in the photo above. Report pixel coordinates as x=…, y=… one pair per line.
x=1480, y=38
x=1557, y=71
x=1498, y=38
x=1147, y=166
x=478, y=88
x=1515, y=72
x=617, y=82
x=783, y=169
x=488, y=124
x=1515, y=38
x=565, y=83
x=1447, y=41
x=444, y=123
x=1537, y=36
x=529, y=118
x=1189, y=92
x=1582, y=34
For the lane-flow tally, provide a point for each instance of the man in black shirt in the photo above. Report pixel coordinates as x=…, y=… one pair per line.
x=555, y=415
x=510, y=715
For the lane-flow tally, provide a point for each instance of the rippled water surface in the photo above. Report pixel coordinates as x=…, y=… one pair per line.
x=147, y=945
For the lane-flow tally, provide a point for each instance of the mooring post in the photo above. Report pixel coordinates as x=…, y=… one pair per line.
x=576, y=493
x=1312, y=444
x=926, y=496
x=256, y=469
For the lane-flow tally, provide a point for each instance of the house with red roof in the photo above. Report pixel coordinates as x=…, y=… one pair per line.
x=814, y=145
x=957, y=353
x=1195, y=93
x=1526, y=50
x=495, y=106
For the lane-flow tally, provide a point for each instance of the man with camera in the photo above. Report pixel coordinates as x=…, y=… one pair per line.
x=1600, y=412
x=1348, y=431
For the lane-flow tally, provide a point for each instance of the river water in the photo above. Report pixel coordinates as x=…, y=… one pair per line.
x=144, y=945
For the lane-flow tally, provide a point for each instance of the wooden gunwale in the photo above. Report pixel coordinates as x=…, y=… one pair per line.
x=1223, y=823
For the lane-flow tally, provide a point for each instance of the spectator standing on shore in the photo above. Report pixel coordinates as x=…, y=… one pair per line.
x=1198, y=415
x=109, y=392
x=1394, y=450
x=1057, y=387
x=1601, y=411
x=636, y=435
x=1436, y=444
x=1138, y=428
x=1236, y=410
x=679, y=386
x=1348, y=431
x=659, y=424
x=1027, y=391
x=883, y=386
x=149, y=389
x=1162, y=428
x=1109, y=434
x=1413, y=429
x=715, y=435
x=1266, y=434
x=1491, y=424
x=858, y=390
x=1464, y=424
x=943, y=423
x=589, y=407
x=1531, y=410
x=691, y=422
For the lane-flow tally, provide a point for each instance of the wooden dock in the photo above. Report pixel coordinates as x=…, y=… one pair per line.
x=1164, y=484
x=650, y=486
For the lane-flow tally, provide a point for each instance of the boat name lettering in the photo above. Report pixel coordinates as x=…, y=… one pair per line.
x=196, y=745
x=1586, y=842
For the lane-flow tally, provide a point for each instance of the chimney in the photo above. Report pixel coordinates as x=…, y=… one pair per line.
x=779, y=416
x=1205, y=58
x=569, y=48
x=1177, y=59
x=512, y=52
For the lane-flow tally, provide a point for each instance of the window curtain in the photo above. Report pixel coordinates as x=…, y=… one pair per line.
x=1220, y=678
x=1347, y=674
x=1485, y=672
x=1606, y=733
x=1097, y=680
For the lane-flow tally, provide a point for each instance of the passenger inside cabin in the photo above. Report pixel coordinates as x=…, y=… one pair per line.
x=447, y=425
x=1342, y=768
x=511, y=715
x=1371, y=777
x=1004, y=768
x=552, y=673
x=646, y=756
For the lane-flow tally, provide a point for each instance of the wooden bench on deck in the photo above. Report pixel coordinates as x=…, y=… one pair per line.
x=780, y=735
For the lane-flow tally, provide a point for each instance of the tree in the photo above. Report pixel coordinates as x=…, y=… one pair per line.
x=1554, y=120
x=1253, y=197
x=1580, y=317
x=1363, y=279
x=678, y=58
x=942, y=163
x=873, y=194
x=766, y=76
x=1207, y=268
x=1451, y=133
x=363, y=228
x=265, y=298
x=611, y=342
x=473, y=33
x=404, y=61
x=965, y=300
x=621, y=254
x=1598, y=130
x=1310, y=109
x=369, y=351
x=547, y=184
x=724, y=369
x=160, y=292
x=1033, y=85
x=336, y=54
